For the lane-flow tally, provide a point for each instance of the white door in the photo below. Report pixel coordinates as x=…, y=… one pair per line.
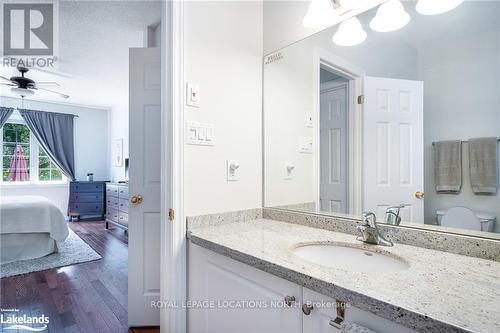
x=333, y=148
x=144, y=217
x=393, y=159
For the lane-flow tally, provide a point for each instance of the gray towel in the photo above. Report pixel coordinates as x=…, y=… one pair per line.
x=448, y=166
x=483, y=165
x=348, y=327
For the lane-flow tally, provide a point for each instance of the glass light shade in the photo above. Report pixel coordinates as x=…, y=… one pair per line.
x=350, y=33
x=22, y=91
x=391, y=16
x=435, y=7
x=320, y=14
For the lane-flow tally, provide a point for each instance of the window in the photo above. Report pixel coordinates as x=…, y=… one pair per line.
x=32, y=164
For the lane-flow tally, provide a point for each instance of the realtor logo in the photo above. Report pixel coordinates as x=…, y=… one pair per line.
x=28, y=29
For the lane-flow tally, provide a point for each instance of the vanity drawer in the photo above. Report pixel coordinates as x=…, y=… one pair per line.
x=123, y=218
x=112, y=215
x=123, y=205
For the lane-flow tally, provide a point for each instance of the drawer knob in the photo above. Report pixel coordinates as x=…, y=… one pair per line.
x=289, y=300
x=307, y=308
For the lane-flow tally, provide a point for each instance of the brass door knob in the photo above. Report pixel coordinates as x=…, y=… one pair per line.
x=136, y=199
x=419, y=195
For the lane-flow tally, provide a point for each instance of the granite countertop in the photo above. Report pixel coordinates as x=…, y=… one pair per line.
x=439, y=292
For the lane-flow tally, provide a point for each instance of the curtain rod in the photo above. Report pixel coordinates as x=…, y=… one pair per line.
x=465, y=141
x=70, y=114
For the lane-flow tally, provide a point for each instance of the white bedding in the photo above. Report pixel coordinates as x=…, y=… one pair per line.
x=31, y=214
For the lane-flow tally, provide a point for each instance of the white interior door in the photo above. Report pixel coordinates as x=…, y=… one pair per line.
x=144, y=217
x=333, y=148
x=393, y=159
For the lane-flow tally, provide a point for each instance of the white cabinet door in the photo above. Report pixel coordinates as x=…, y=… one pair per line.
x=324, y=310
x=393, y=147
x=238, y=298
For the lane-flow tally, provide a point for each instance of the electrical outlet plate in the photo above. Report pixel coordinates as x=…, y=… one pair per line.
x=232, y=174
x=192, y=95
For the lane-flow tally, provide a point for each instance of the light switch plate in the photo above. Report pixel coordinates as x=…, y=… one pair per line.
x=193, y=95
x=199, y=134
x=305, y=145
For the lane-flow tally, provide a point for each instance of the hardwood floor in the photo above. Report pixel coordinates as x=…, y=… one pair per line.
x=87, y=297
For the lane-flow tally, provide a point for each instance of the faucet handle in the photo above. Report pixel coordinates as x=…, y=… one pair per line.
x=369, y=216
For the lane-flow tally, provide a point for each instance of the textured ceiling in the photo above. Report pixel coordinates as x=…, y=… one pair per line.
x=94, y=38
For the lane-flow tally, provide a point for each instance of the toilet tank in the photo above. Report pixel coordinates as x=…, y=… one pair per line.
x=487, y=220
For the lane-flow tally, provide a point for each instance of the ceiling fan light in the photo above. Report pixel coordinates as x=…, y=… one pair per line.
x=23, y=92
x=391, y=16
x=350, y=33
x=320, y=14
x=435, y=7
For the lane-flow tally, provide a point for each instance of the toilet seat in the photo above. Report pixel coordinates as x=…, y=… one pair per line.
x=461, y=217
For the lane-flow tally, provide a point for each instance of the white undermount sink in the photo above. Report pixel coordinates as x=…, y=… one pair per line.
x=349, y=258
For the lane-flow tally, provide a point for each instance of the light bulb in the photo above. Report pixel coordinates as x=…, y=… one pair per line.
x=435, y=7
x=350, y=33
x=320, y=14
x=391, y=16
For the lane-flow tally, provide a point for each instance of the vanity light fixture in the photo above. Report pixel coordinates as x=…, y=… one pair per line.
x=435, y=7
x=350, y=33
x=320, y=14
x=391, y=16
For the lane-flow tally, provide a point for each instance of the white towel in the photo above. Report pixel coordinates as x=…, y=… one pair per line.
x=348, y=327
x=483, y=165
x=448, y=166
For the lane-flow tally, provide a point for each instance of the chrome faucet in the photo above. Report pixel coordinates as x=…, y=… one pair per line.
x=392, y=214
x=369, y=230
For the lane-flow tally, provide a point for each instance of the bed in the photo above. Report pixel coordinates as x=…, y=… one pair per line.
x=30, y=227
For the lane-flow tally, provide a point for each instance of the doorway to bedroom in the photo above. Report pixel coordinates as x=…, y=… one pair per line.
x=80, y=182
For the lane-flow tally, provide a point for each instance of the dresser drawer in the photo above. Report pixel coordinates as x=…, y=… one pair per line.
x=81, y=197
x=112, y=215
x=123, y=205
x=112, y=202
x=87, y=208
x=86, y=187
x=123, y=218
x=112, y=190
x=123, y=192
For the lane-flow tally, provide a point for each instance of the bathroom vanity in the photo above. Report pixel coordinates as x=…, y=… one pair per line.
x=273, y=270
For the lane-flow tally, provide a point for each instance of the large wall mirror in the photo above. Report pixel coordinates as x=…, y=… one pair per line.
x=404, y=124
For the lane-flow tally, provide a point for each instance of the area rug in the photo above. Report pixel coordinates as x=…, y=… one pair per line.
x=73, y=250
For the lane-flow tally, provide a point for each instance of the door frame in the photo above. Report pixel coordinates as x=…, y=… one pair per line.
x=173, y=232
x=355, y=76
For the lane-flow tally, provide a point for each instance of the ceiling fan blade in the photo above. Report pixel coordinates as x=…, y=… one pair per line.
x=6, y=79
x=47, y=84
x=54, y=92
x=9, y=84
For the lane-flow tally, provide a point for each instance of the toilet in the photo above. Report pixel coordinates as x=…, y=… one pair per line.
x=465, y=218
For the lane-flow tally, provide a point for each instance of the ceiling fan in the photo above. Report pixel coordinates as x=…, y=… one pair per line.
x=24, y=86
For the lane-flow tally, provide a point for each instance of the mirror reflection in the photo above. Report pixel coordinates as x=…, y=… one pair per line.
x=402, y=123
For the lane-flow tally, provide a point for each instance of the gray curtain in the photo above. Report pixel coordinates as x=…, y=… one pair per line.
x=5, y=114
x=54, y=132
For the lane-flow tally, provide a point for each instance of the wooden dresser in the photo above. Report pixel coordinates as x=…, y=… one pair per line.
x=117, y=205
x=87, y=200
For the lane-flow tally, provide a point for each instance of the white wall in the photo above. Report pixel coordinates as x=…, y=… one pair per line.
x=289, y=100
x=91, y=148
x=462, y=101
x=223, y=54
